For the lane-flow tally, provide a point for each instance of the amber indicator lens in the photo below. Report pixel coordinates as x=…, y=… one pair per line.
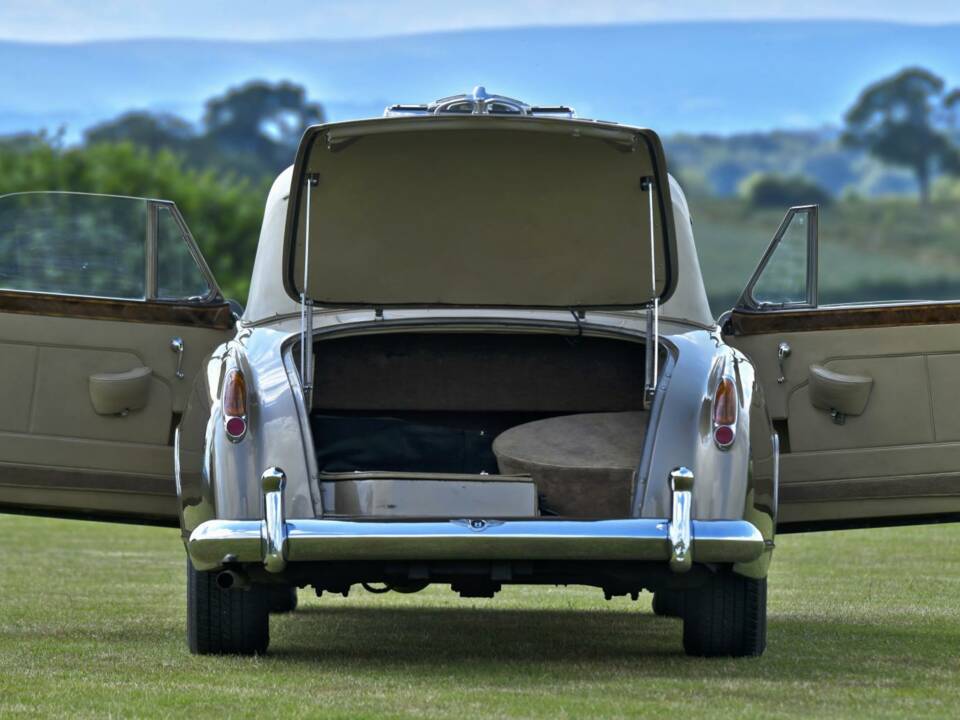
x=725, y=403
x=234, y=394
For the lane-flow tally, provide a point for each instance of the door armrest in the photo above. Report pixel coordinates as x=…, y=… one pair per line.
x=119, y=393
x=846, y=394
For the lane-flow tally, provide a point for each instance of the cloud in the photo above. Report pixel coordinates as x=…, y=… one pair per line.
x=68, y=20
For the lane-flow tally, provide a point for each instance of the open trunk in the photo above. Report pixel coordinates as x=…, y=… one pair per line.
x=485, y=425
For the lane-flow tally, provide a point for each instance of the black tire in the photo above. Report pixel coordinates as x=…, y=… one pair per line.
x=281, y=598
x=225, y=622
x=668, y=603
x=726, y=617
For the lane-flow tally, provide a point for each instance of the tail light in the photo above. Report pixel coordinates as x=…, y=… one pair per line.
x=234, y=403
x=725, y=406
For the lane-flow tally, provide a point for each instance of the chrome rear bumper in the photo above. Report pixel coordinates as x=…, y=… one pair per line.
x=317, y=540
x=275, y=541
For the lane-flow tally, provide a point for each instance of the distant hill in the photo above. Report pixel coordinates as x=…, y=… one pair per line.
x=719, y=77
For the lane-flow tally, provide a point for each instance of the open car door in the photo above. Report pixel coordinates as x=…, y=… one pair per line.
x=107, y=312
x=864, y=396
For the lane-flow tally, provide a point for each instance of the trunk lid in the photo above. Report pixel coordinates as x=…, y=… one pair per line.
x=480, y=211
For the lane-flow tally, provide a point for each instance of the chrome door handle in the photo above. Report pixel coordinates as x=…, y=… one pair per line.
x=783, y=352
x=176, y=345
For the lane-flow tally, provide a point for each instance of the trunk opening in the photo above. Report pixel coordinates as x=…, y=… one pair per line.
x=453, y=425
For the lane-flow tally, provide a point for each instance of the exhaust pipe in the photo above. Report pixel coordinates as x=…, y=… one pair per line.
x=232, y=580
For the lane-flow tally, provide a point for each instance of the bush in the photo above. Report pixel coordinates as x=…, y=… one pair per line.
x=775, y=191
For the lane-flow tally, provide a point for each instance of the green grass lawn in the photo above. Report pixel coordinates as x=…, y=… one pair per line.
x=862, y=624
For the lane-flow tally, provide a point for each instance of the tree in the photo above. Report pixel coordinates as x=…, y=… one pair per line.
x=144, y=129
x=261, y=119
x=776, y=191
x=952, y=104
x=899, y=121
x=252, y=130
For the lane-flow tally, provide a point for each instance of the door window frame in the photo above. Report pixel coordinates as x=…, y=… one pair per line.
x=153, y=250
x=747, y=299
x=151, y=254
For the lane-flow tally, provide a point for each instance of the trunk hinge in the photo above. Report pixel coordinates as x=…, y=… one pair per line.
x=653, y=313
x=306, y=305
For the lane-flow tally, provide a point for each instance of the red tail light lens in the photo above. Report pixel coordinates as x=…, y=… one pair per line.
x=234, y=402
x=724, y=436
x=725, y=413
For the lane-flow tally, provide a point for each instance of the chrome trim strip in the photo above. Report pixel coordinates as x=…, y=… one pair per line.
x=275, y=542
x=775, y=439
x=325, y=540
x=681, y=484
x=150, y=251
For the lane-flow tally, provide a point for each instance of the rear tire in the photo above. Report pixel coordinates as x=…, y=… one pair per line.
x=281, y=598
x=668, y=603
x=225, y=622
x=726, y=617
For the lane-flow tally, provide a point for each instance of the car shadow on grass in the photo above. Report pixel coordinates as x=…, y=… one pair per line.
x=446, y=640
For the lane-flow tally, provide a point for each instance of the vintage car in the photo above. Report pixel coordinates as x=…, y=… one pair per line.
x=477, y=351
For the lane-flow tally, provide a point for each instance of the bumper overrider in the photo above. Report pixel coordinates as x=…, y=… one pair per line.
x=276, y=541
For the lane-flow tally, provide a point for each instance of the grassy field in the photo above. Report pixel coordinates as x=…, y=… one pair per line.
x=862, y=624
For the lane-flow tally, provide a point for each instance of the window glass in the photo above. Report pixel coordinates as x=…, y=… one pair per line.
x=784, y=279
x=73, y=244
x=890, y=251
x=178, y=275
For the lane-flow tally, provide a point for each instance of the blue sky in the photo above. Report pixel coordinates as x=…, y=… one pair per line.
x=73, y=20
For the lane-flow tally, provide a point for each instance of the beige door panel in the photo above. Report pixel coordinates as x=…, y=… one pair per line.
x=18, y=366
x=56, y=450
x=897, y=413
x=158, y=507
x=861, y=463
x=82, y=454
x=62, y=404
x=944, y=372
x=900, y=456
x=821, y=346
x=867, y=511
x=146, y=343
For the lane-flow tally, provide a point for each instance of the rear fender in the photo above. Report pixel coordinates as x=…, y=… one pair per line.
x=220, y=478
x=729, y=484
